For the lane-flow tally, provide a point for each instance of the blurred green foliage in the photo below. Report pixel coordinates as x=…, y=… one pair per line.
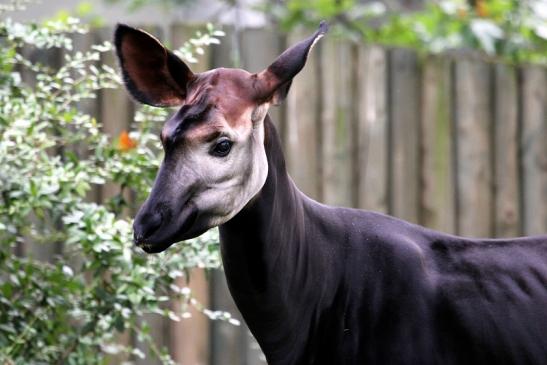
x=136, y=4
x=512, y=30
x=70, y=308
x=84, y=11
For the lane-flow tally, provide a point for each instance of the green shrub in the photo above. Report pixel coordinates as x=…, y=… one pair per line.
x=71, y=308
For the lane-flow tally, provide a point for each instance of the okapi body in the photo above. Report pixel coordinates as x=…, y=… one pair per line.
x=318, y=284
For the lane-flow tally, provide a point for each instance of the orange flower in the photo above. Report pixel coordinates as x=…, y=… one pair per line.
x=126, y=143
x=462, y=13
x=481, y=8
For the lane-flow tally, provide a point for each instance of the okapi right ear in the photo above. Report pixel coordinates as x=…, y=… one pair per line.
x=151, y=73
x=275, y=81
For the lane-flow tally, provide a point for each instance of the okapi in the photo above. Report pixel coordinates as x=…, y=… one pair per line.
x=318, y=284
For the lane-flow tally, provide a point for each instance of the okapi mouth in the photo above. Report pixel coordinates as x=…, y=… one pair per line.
x=171, y=231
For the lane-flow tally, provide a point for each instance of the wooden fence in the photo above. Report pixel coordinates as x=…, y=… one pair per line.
x=450, y=142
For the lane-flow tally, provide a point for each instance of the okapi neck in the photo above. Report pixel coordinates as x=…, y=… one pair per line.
x=272, y=222
x=267, y=258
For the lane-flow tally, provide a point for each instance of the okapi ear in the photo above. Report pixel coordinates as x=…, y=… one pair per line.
x=151, y=73
x=276, y=80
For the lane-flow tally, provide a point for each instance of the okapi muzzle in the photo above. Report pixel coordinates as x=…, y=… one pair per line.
x=215, y=161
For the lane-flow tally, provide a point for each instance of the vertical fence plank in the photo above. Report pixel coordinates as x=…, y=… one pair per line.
x=116, y=109
x=259, y=48
x=437, y=196
x=189, y=338
x=229, y=344
x=372, y=129
x=301, y=135
x=506, y=169
x=473, y=134
x=336, y=122
x=534, y=150
x=328, y=120
x=404, y=92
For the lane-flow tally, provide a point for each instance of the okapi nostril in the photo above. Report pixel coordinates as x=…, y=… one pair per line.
x=137, y=238
x=146, y=225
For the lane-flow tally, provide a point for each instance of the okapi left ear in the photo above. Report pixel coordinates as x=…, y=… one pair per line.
x=151, y=73
x=275, y=81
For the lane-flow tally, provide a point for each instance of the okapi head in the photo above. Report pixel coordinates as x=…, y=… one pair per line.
x=215, y=161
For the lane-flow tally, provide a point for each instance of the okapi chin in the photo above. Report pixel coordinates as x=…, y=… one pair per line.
x=318, y=284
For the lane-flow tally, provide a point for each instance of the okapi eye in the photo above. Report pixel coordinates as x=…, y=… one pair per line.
x=222, y=148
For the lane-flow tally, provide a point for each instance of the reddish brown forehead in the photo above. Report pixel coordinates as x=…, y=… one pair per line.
x=230, y=92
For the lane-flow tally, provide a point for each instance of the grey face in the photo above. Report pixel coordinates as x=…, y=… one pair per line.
x=212, y=168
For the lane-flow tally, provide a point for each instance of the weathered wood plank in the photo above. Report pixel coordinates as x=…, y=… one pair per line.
x=437, y=205
x=260, y=47
x=473, y=160
x=336, y=119
x=189, y=338
x=230, y=344
x=372, y=145
x=302, y=148
x=506, y=168
x=116, y=109
x=404, y=93
x=534, y=150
